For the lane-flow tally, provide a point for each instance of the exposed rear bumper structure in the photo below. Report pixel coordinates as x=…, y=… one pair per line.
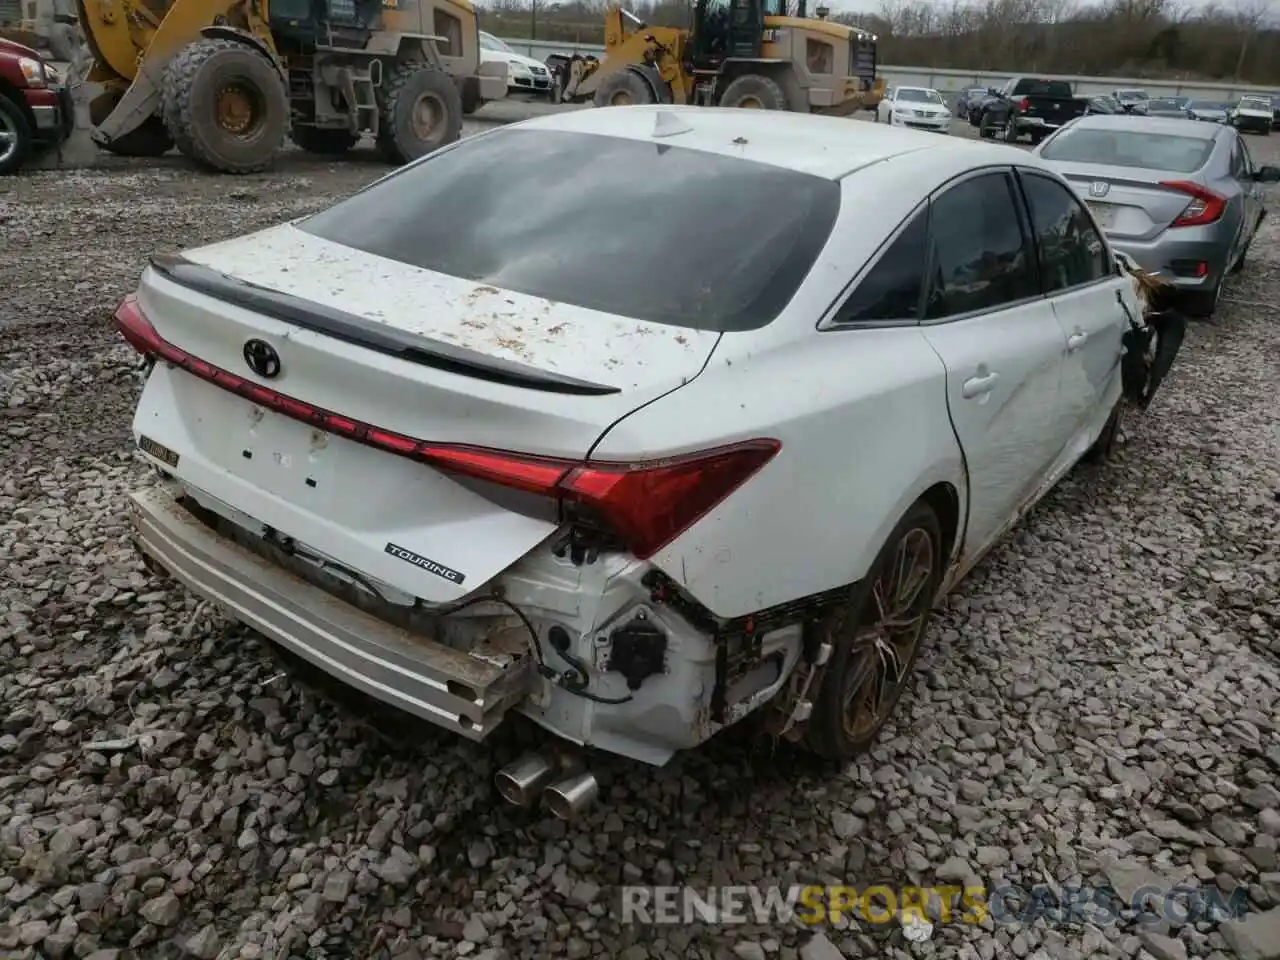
x=430, y=680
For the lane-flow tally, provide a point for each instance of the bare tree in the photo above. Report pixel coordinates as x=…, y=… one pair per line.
x=1249, y=17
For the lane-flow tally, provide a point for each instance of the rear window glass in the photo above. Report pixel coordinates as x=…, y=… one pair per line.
x=636, y=228
x=1125, y=148
x=1044, y=88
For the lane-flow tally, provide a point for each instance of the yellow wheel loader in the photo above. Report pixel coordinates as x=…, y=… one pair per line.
x=227, y=80
x=740, y=53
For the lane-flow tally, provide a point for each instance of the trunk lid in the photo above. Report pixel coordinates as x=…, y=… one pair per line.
x=404, y=350
x=1129, y=203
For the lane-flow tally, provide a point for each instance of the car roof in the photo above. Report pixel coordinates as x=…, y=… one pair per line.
x=824, y=146
x=908, y=86
x=1170, y=126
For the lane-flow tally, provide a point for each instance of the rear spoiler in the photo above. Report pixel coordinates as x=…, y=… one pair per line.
x=367, y=333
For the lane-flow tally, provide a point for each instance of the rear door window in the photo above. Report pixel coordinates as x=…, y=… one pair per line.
x=1069, y=248
x=980, y=257
x=635, y=228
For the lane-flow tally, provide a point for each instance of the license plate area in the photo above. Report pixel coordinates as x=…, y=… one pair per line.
x=282, y=456
x=1104, y=213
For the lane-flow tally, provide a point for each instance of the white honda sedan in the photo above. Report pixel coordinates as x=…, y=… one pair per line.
x=716, y=450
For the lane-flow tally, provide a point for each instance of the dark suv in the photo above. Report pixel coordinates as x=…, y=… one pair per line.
x=35, y=108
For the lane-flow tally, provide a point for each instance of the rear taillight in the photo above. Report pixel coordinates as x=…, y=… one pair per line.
x=647, y=504
x=1024, y=104
x=1204, y=207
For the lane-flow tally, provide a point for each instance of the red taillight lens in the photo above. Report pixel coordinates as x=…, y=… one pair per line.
x=649, y=505
x=646, y=504
x=135, y=328
x=1024, y=105
x=1204, y=207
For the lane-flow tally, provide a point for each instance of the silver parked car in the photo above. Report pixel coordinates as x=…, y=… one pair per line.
x=1163, y=107
x=1183, y=199
x=1211, y=111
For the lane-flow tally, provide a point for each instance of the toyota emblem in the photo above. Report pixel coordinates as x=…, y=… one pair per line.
x=262, y=359
x=1099, y=188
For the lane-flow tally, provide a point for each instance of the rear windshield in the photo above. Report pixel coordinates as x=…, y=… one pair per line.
x=634, y=228
x=1125, y=148
x=1043, y=88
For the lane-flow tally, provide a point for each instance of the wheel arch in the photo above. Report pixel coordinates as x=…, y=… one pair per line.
x=10, y=93
x=235, y=34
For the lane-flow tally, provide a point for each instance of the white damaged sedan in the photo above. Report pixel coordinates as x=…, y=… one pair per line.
x=714, y=452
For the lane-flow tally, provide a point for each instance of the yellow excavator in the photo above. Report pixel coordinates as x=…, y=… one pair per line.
x=227, y=80
x=740, y=53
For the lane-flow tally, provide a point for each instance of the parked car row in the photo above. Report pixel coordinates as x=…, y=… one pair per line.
x=990, y=106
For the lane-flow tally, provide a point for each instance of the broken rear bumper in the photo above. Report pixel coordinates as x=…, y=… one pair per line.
x=430, y=680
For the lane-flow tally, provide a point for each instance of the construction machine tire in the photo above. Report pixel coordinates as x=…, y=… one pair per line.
x=624, y=89
x=326, y=143
x=420, y=110
x=755, y=92
x=225, y=106
x=151, y=139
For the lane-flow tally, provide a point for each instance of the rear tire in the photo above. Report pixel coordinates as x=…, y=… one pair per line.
x=840, y=725
x=985, y=129
x=225, y=106
x=623, y=89
x=151, y=139
x=420, y=112
x=326, y=143
x=755, y=92
x=16, y=137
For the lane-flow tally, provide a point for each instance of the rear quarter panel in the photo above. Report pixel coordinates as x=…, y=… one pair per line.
x=862, y=418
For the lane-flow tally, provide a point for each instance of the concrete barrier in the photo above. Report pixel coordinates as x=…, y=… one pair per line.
x=953, y=81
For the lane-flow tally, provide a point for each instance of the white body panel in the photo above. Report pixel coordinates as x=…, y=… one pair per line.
x=869, y=418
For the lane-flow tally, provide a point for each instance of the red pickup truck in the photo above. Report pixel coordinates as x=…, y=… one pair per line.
x=35, y=108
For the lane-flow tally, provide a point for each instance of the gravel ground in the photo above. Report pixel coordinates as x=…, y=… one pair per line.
x=1099, y=701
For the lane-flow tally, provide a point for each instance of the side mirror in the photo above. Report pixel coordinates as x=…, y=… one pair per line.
x=1267, y=175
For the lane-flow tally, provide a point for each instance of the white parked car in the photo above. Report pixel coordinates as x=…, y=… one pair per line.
x=469, y=474
x=1253, y=113
x=919, y=107
x=524, y=74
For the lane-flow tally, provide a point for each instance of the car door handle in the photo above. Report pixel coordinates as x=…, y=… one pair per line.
x=979, y=386
x=1076, y=341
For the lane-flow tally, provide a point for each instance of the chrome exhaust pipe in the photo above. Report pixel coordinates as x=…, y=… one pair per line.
x=571, y=796
x=521, y=782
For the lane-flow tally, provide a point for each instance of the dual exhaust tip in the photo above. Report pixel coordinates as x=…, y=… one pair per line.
x=560, y=780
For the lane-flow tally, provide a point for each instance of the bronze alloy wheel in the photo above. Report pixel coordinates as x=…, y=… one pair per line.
x=885, y=643
x=875, y=637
